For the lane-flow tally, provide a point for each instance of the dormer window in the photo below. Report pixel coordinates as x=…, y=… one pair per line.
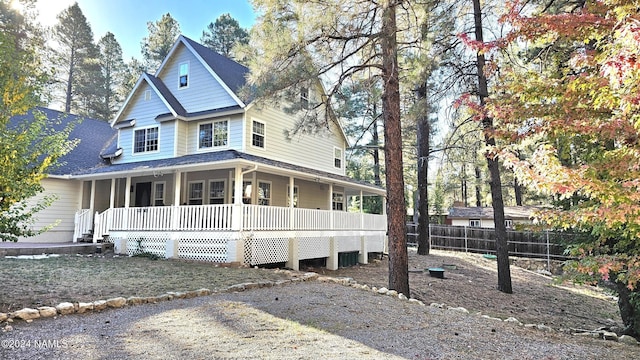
x=184, y=75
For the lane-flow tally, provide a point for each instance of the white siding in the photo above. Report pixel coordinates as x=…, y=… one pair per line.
x=313, y=151
x=62, y=210
x=145, y=112
x=203, y=91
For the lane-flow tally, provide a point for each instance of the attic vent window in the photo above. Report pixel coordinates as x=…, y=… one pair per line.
x=184, y=75
x=147, y=95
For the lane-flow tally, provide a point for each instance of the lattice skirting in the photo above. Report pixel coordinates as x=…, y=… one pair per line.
x=255, y=248
x=266, y=247
x=204, y=246
x=313, y=244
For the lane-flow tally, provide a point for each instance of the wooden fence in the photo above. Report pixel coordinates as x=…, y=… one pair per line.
x=546, y=244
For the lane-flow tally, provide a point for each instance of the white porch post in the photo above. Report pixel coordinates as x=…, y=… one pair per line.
x=112, y=194
x=293, y=262
x=235, y=246
x=171, y=247
x=92, y=199
x=363, y=257
x=332, y=260
x=127, y=193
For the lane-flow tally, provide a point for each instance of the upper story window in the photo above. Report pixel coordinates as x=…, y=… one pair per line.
x=184, y=75
x=304, y=97
x=213, y=134
x=257, y=134
x=474, y=223
x=337, y=158
x=145, y=140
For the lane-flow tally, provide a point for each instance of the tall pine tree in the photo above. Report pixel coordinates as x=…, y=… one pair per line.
x=162, y=35
x=74, y=56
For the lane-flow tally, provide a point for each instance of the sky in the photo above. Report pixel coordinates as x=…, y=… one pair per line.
x=127, y=19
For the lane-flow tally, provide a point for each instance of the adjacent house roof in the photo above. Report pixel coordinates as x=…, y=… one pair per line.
x=93, y=136
x=510, y=212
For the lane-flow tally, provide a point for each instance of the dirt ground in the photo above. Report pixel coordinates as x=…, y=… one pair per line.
x=470, y=281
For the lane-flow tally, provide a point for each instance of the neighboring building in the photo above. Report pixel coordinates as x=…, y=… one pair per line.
x=190, y=169
x=482, y=217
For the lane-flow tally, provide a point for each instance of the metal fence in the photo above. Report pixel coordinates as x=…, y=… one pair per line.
x=545, y=244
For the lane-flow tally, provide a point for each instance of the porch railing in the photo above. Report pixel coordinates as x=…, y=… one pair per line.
x=219, y=217
x=83, y=223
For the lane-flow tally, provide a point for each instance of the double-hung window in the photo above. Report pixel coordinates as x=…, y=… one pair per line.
x=183, y=75
x=337, y=201
x=158, y=193
x=295, y=196
x=216, y=192
x=215, y=134
x=264, y=193
x=304, y=98
x=337, y=158
x=196, y=190
x=257, y=134
x=145, y=140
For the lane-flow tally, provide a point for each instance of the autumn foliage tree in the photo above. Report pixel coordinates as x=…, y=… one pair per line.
x=574, y=104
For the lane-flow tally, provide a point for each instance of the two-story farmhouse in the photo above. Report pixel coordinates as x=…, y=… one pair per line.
x=189, y=169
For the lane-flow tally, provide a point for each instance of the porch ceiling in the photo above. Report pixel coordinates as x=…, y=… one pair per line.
x=225, y=160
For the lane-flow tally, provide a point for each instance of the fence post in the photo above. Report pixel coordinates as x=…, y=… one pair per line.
x=466, y=247
x=548, y=252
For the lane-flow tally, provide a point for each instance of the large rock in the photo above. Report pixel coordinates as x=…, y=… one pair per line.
x=26, y=314
x=84, y=307
x=65, y=308
x=47, y=311
x=116, y=302
x=3, y=316
x=608, y=335
x=629, y=340
x=99, y=305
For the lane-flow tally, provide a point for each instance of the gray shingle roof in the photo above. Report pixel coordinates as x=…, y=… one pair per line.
x=167, y=95
x=94, y=135
x=211, y=157
x=232, y=73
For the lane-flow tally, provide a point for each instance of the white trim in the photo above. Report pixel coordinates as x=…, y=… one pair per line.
x=264, y=135
x=133, y=141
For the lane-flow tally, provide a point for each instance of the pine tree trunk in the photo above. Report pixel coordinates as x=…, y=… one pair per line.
x=424, y=245
x=398, y=258
x=376, y=150
x=69, y=92
x=502, y=248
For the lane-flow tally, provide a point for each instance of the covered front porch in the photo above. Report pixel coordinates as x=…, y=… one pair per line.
x=238, y=214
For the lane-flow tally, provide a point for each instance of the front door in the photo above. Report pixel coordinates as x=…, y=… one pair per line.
x=143, y=194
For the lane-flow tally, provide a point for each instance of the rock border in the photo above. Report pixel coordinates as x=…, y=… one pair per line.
x=67, y=308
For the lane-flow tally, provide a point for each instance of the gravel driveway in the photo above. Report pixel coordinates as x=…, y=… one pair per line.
x=299, y=320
